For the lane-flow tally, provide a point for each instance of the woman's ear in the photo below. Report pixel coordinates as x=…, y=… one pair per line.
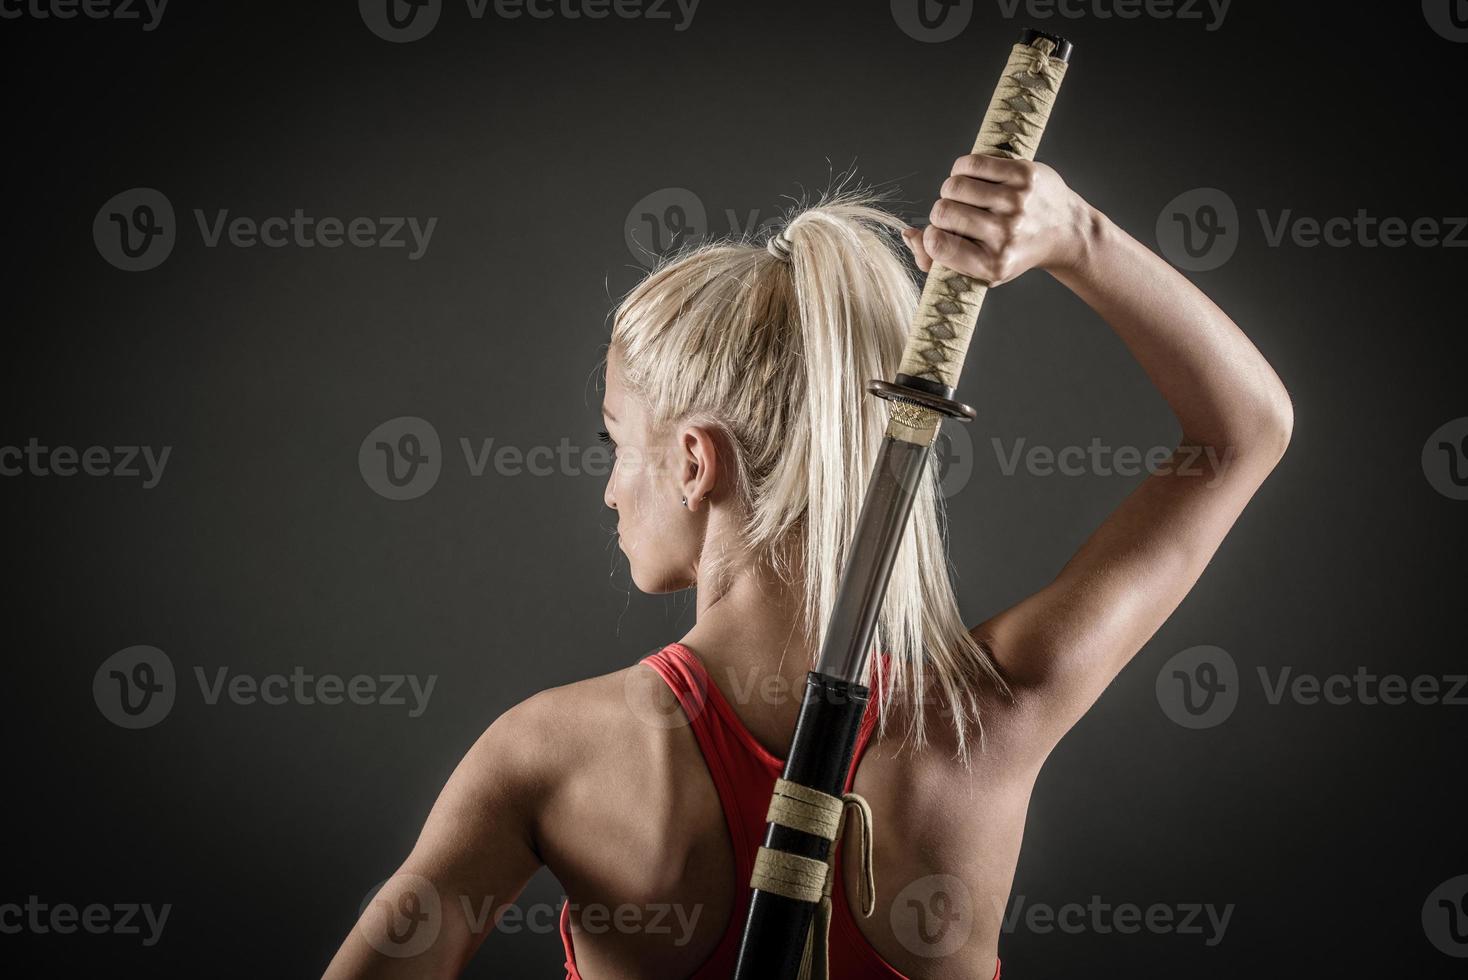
x=698, y=474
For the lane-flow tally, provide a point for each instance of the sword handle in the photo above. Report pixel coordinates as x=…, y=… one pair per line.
x=943, y=324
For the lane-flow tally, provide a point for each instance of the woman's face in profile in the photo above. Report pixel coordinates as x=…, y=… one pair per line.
x=654, y=529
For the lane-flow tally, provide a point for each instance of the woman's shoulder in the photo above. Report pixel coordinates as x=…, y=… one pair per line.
x=572, y=712
x=567, y=728
x=609, y=757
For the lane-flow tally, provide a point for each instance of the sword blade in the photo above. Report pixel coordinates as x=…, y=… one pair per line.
x=894, y=483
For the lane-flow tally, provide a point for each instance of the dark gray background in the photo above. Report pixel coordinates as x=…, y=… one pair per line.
x=263, y=549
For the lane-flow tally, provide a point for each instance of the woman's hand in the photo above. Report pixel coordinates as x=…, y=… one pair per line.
x=999, y=218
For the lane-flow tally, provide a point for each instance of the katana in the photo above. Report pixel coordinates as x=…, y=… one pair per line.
x=786, y=931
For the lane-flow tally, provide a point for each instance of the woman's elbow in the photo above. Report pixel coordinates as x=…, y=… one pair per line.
x=1279, y=423
x=1256, y=437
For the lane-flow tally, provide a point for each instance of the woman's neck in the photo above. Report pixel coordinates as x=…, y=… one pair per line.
x=749, y=637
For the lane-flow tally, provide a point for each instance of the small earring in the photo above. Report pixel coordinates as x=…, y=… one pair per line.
x=685, y=501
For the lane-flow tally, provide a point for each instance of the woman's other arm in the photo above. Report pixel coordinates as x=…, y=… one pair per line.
x=474, y=856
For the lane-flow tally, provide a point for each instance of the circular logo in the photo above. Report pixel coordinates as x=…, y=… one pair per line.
x=662, y=221
x=932, y=21
x=1199, y=687
x=1199, y=229
x=402, y=916
x=400, y=21
x=1445, y=917
x=401, y=458
x=135, y=230
x=954, y=451
x=652, y=702
x=1448, y=17
x=933, y=916
x=134, y=688
x=1445, y=459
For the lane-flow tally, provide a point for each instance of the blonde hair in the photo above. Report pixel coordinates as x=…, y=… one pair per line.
x=773, y=347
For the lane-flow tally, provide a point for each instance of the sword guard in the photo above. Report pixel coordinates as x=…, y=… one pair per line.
x=924, y=399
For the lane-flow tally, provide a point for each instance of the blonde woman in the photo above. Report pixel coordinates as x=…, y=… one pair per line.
x=734, y=397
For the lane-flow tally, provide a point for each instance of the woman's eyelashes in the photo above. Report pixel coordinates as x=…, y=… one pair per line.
x=606, y=439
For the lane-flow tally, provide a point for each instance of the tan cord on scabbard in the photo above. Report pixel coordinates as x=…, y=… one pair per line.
x=805, y=879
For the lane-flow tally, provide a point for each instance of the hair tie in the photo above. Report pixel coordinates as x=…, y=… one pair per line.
x=779, y=245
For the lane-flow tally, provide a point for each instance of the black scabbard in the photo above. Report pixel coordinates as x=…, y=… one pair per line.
x=820, y=756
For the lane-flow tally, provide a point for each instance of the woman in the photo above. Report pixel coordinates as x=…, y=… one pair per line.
x=734, y=397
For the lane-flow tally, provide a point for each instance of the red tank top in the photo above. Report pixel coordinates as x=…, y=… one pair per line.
x=744, y=775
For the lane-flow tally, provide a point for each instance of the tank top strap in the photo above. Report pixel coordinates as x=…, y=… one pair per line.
x=742, y=770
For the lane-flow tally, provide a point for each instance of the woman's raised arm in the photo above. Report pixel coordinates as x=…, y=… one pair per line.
x=1063, y=645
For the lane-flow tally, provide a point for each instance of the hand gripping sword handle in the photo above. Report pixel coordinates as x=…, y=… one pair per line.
x=943, y=324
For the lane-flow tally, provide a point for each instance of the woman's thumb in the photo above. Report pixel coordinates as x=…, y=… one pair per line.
x=913, y=237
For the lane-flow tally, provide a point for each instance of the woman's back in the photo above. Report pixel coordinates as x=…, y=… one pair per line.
x=661, y=809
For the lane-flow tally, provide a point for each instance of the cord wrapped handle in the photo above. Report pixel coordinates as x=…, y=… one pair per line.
x=944, y=322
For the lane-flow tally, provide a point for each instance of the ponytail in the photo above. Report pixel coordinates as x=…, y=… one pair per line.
x=773, y=342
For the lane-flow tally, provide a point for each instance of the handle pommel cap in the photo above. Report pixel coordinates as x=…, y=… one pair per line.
x=1063, y=48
